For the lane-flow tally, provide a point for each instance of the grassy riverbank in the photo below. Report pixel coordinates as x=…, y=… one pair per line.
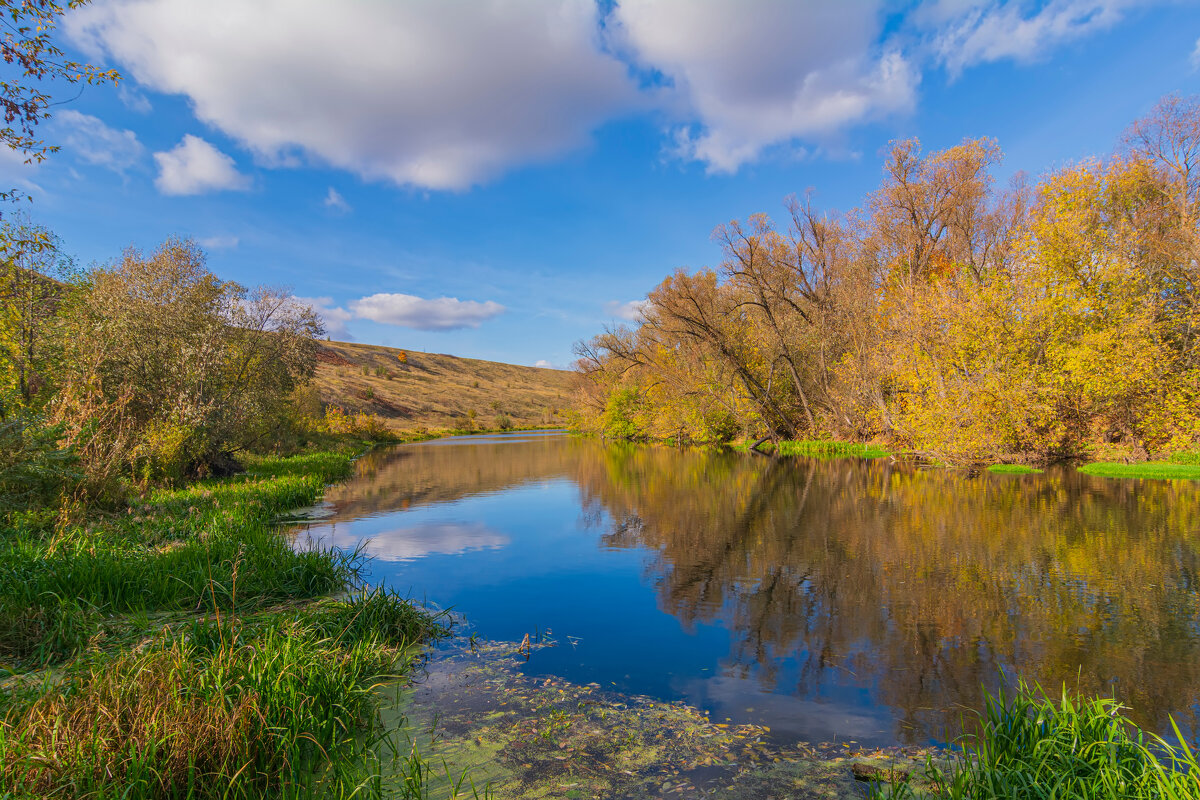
x=183, y=648
x=1032, y=747
x=1163, y=470
x=817, y=448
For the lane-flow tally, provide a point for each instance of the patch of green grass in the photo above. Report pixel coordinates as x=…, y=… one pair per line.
x=818, y=448
x=196, y=653
x=1185, y=457
x=1012, y=469
x=1030, y=747
x=1148, y=469
x=830, y=449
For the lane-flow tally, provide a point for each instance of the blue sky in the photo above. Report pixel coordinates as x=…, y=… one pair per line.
x=499, y=178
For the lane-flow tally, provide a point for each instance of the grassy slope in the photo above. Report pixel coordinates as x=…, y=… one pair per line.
x=438, y=391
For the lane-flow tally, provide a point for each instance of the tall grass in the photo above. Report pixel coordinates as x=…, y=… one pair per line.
x=1030, y=747
x=221, y=710
x=199, y=655
x=177, y=551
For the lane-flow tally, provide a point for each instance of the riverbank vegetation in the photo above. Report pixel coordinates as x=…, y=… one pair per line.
x=947, y=316
x=185, y=648
x=1029, y=746
x=159, y=634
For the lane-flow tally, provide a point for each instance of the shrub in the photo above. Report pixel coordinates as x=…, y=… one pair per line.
x=34, y=470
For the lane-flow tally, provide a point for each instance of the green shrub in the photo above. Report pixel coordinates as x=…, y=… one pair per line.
x=34, y=470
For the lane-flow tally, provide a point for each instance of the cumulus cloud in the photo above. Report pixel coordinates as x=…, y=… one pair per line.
x=969, y=32
x=757, y=73
x=335, y=318
x=424, y=93
x=409, y=311
x=445, y=95
x=631, y=310
x=194, y=166
x=96, y=143
x=335, y=202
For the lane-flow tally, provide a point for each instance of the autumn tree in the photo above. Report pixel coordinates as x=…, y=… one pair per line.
x=30, y=272
x=192, y=367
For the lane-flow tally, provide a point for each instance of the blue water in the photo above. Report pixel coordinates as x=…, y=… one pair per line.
x=844, y=600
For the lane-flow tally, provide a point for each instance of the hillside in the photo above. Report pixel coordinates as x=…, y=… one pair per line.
x=411, y=389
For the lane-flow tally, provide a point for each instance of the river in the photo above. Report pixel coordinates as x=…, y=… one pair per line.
x=831, y=600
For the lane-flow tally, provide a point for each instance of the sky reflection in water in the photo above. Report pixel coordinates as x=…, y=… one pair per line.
x=841, y=599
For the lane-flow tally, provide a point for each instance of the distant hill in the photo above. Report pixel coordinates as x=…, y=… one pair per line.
x=411, y=389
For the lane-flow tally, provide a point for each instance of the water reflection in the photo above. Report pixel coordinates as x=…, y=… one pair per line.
x=868, y=600
x=408, y=544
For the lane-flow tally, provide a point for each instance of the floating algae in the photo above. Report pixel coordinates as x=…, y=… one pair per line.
x=475, y=714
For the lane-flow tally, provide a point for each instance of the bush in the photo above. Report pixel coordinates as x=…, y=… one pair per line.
x=34, y=470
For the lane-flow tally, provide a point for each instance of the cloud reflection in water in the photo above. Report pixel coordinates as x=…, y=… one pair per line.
x=408, y=544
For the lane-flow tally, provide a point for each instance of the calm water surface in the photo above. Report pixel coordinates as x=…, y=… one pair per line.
x=845, y=599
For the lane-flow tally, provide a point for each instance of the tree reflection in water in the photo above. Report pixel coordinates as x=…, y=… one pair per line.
x=919, y=586
x=922, y=584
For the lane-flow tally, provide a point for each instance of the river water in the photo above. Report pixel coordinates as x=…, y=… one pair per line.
x=831, y=600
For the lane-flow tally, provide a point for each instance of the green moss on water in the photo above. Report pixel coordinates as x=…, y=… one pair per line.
x=1160, y=470
x=1012, y=469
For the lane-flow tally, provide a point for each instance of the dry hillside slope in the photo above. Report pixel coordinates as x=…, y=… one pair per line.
x=410, y=389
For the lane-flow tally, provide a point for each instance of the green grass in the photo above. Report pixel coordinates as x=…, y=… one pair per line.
x=1012, y=469
x=1185, y=457
x=194, y=652
x=1030, y=747
x=1147, y=469
x=817, y=448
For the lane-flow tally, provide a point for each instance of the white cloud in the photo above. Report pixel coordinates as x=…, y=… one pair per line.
x=335, y=318
x=543, y=364
x=133, y=99
x=1194, y=60
x=754, y=74
x=409, y=311
x=219, y=242
x=444, y=95
x=631, y=310
x=969, y=32
x=96, y=143
x=426, y=93
x=194, y=166
x=335, y=202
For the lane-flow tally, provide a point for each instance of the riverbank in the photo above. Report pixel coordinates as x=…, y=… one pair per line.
x=1182, y=465
x=183, y=647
